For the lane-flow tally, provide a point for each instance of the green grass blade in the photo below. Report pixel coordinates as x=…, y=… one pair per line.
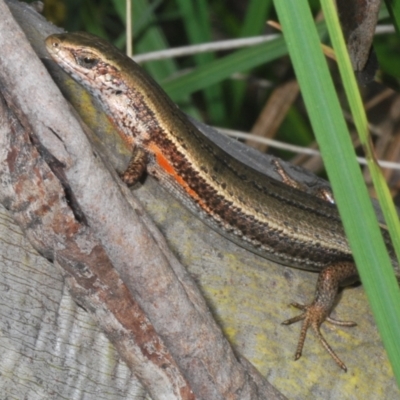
x=151, y=38
x=351, y=194
x=255, y=19
x=196, y=19
x=254, y=23
x=223, y=68
x=388, y=209
x=360, y=121
x=393, y=7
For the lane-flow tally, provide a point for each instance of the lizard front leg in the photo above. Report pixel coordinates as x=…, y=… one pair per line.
x=136, y=167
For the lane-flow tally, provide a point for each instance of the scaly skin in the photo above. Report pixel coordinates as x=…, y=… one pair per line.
x=275, y=220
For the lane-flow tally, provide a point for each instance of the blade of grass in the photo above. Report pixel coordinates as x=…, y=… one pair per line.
x=223, y=68
x=351, y=194
x=196, y=19
x=360, y=121
x=151, y=36
x=257, y=13
x=393, y=7
x=388, y=209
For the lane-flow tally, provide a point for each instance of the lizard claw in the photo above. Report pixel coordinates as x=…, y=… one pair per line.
x=313, y=316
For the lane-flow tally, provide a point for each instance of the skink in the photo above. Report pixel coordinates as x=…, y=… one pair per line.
x=271, y=218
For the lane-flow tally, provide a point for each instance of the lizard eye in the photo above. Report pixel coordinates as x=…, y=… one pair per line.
x=87, y=62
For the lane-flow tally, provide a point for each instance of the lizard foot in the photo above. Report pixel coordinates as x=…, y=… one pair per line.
x=313, y=316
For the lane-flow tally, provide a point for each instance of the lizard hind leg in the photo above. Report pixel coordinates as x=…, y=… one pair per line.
x=322, y=192
x=314, y=314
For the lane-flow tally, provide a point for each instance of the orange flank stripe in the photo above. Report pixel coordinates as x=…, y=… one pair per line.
x=167, y=167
